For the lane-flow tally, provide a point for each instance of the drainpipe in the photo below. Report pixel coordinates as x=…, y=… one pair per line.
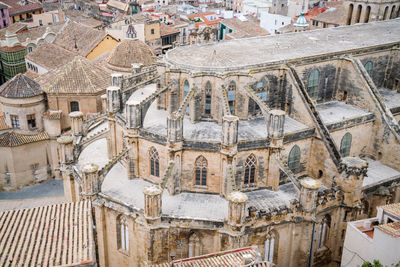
x=311, y=247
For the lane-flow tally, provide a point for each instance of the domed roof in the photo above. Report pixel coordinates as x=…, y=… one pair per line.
x=128, y=52
x=20, y=87
x=301, y=21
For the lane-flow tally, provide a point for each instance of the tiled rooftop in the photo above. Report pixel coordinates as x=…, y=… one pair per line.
x=56, y=235
x=232, y=258
x=392, y=229
x=50, y=56
x=85, y=38
x=12, y=139
x=80, y=76
x=20, y=87
x=393, y=209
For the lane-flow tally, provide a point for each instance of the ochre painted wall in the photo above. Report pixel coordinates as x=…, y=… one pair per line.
x=107, y=44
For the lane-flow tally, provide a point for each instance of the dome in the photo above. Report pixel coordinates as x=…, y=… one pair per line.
x=301, y=21
x=20, y=87
x=129, y=52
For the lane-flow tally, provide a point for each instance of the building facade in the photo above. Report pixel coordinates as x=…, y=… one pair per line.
x=241, y=143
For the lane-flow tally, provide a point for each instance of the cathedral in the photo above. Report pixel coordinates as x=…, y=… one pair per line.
x=273, y=141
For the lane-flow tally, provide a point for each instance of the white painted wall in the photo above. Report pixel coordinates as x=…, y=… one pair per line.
x=272, y=22
x=358, y=247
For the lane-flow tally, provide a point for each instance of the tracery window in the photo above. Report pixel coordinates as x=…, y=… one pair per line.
x=123, y=233
x=269, y=249
x=232, y=97
x=368, y=67
x=200, y=171
x=345, y=145
x=250, y=169
x=294, y=159
x=186, y=89
x=154, y=162
x=313, y=82
x=208, y=91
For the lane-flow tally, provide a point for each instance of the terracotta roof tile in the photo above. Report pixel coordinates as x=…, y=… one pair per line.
x=12, y=139
x=392, y=229
x=16, y=7
x=242, y=29
x=52, y=114
x=24, y=33
x=56, y=235
x=167, y=30
x=334, y=15
x=85, y=38
x=233, y=257
x=82, y=18
x=50, y=56
x=131, y=51
x=392, y=209
x=80, y=76
x=20, y=87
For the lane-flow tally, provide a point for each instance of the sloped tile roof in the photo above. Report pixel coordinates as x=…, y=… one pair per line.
x=80, y=76
x=55, y=235
x=233, y=257
x=85, y=38
x=50, y=56
x=334, y=15
x=20, y=87
x=392, y=229
x=24, y=33
x=12, y=139
x=392, y=209
x=16, y=7
x=167, y=30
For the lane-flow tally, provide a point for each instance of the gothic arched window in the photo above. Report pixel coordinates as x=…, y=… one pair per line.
x=250, y=169
x=200, y=171
x=313, y=82
x=368, y=67
x=294, y=159
x=323, y=231
x=345, y=145
x=122, y=233
x=208, y=92
x=186, y=88
x=271, y=242
x=154, y=162
x=232, y=97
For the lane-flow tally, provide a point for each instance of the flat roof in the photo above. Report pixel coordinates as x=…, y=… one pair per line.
x=56, y=235
x=337, y=111
x=258, y=51
x=378, y=173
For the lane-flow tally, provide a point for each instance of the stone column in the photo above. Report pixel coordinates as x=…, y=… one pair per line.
x=67, y=148
x=230, y=130
x=352, y=172
x=116, y=79
x=103, y=103
x=90, y=181
x=66, y=159
x=113, y=99
x=175, y=128
x=237, y=209
x=133, y=115
x=308, y=193
x=275, y=126
x=76, y=122
x=152, y=203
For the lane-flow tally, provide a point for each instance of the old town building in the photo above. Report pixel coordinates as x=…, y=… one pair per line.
x=27, y=141
x=273, y=141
